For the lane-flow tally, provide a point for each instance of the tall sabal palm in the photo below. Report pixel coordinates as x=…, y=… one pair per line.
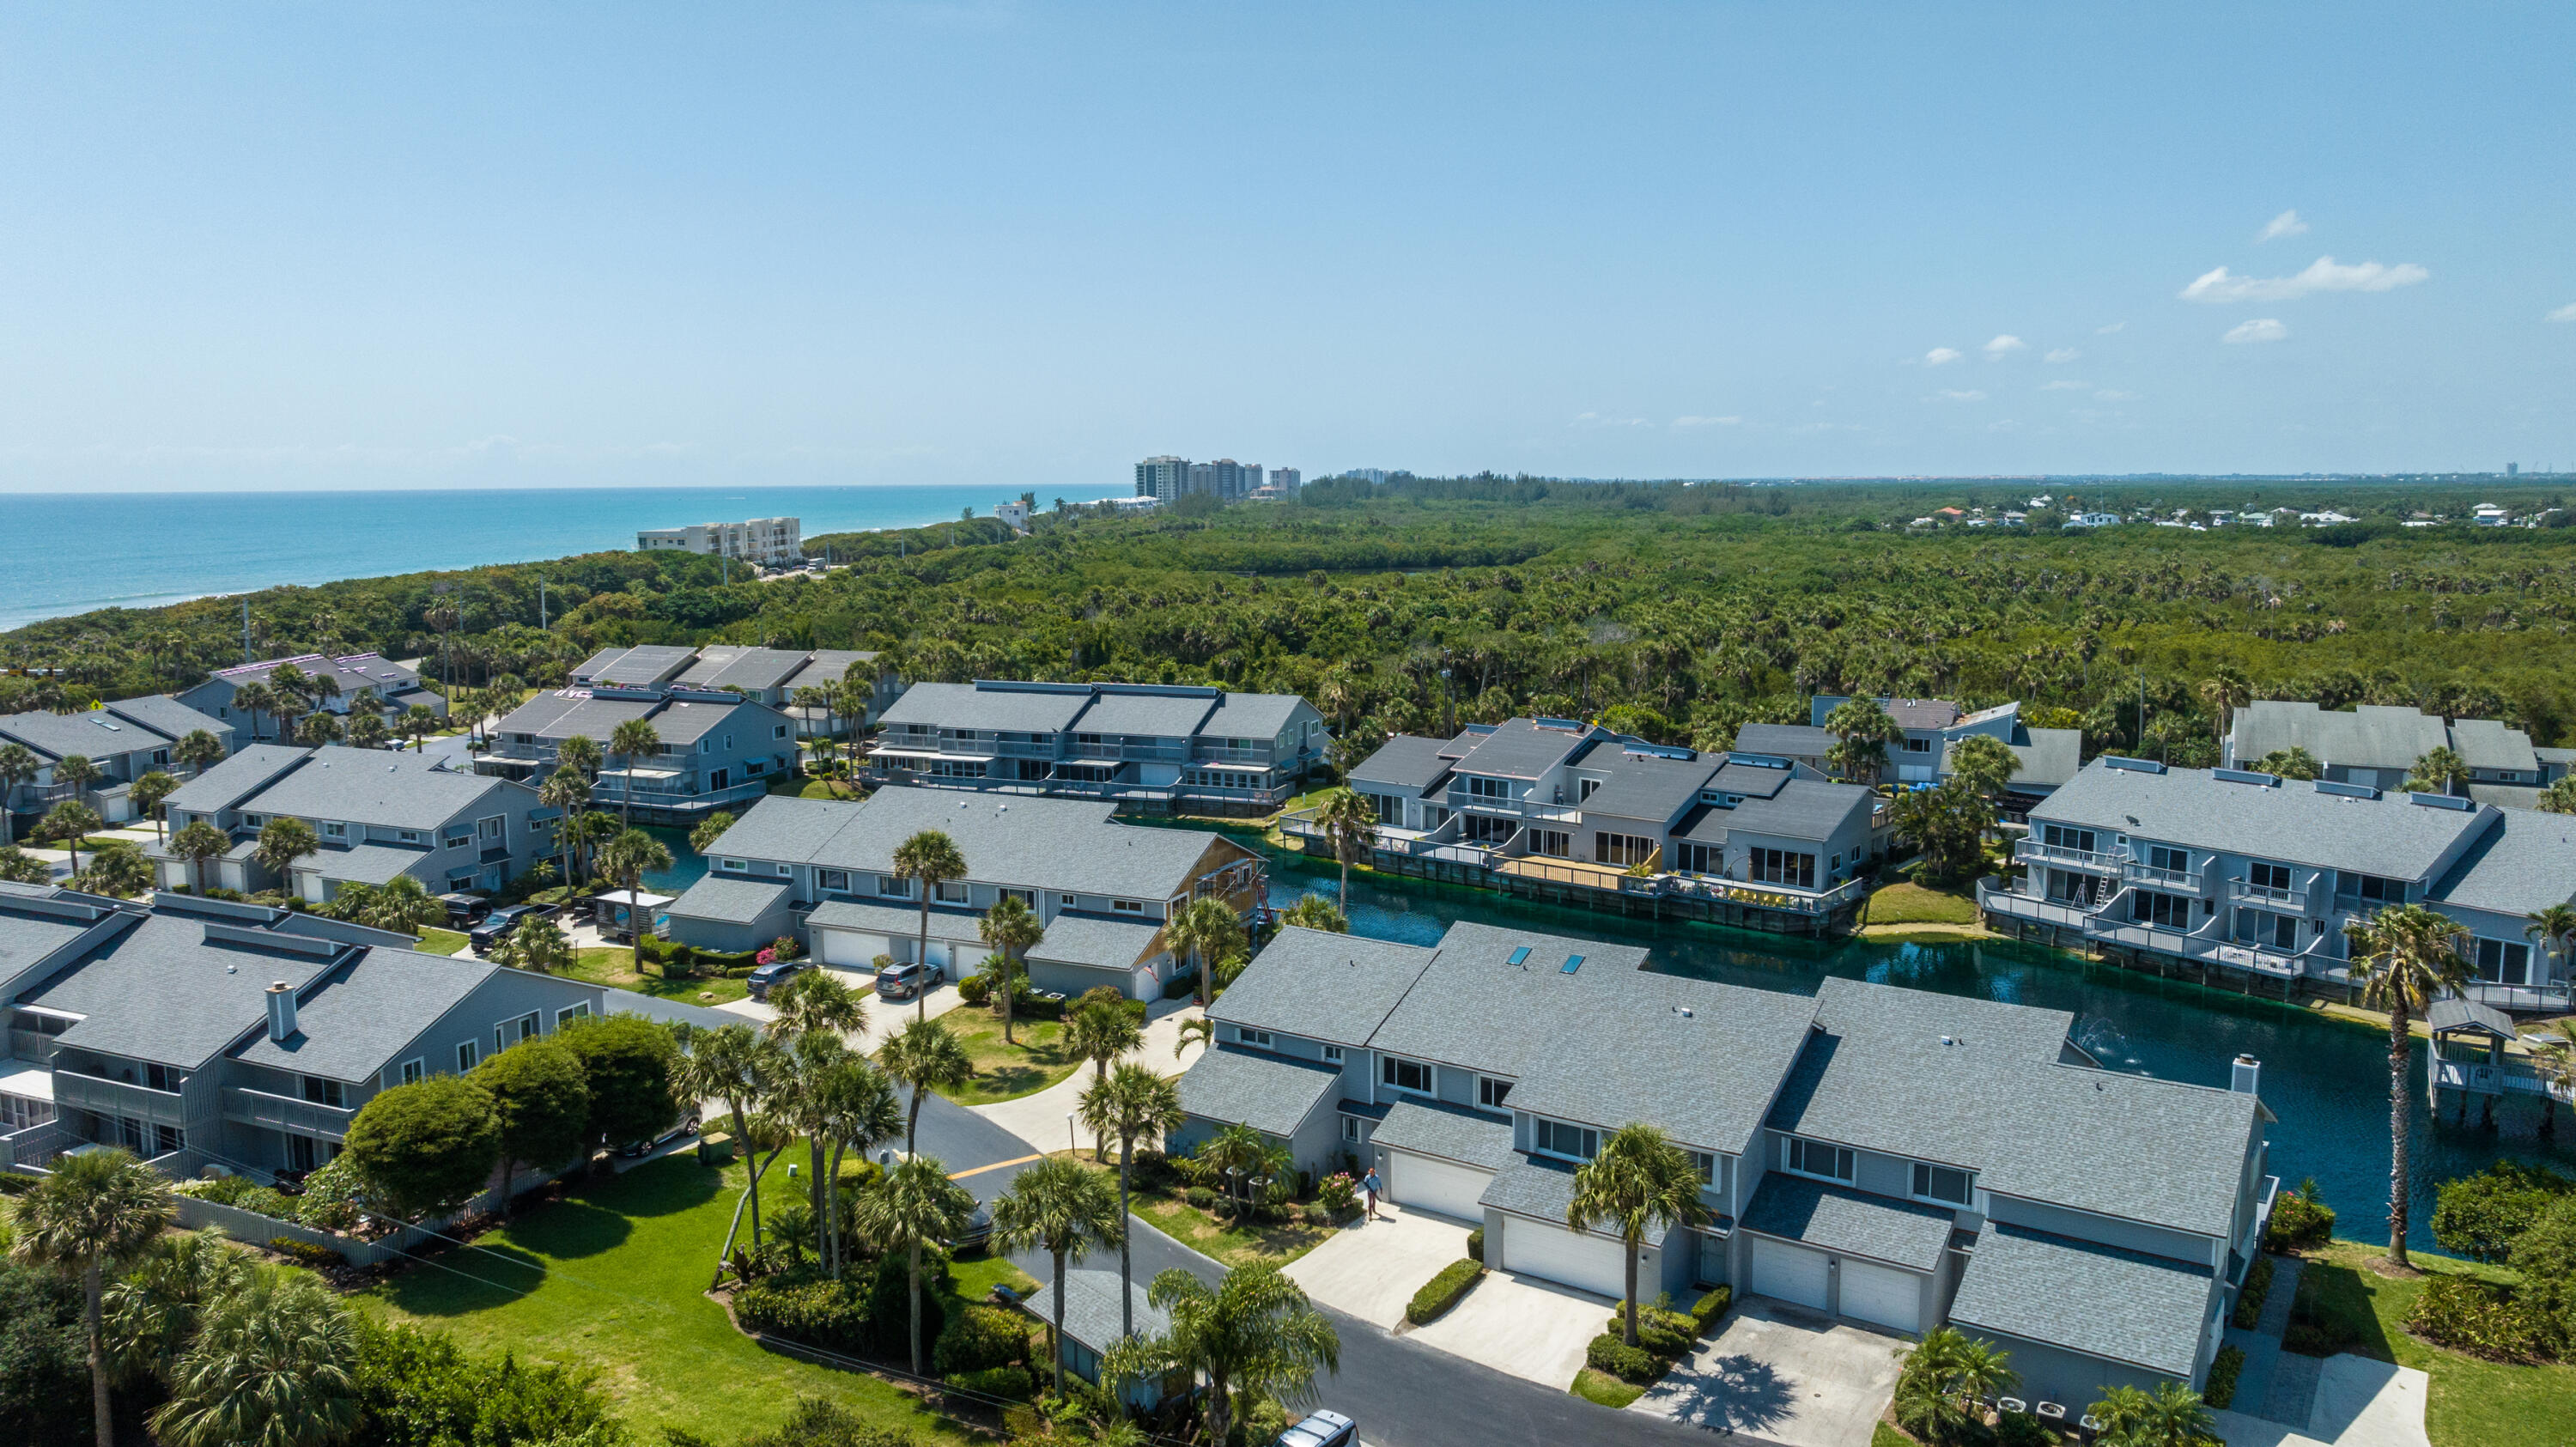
x=1349, y=823
x=922, y=1057
x=1131, y=1104
x=579, y=753
x=149, y=793
x=929, y=859
x=1206, y=930
x=274, y=1365
x=1862, y=731
x=1983, y=764
x=1638, y=1182
x=254, y=699
x=95, y=1212
x=19, y=766
x=2405, y=956
x=404, y=905
x=915, y=1203
x=418, y=722
x=151, y=1313
x=730, y=1063
x=634, y=736
x=815, y=1012
x=858, y=1113
x=77, y=771
x=710, y=829
x=1255, y=1335
x=2171, y=1416
x=71, y=821
x=565, y=792
x=628, y=858
x=1247, y=1162
x=199, y=749
x=1100, y=1032
x=198, y=843
x=2554, y=928
x=2225, y=691
x=282, y=841
x=1316, y=912
x=1011, y=928
x=2436, y=772
x=1065, y=1209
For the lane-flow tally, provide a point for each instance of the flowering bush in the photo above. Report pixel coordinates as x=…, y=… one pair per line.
x=1337, y=1192
x=766, y=957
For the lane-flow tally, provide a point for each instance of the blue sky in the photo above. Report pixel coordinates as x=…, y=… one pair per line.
x=460, y=245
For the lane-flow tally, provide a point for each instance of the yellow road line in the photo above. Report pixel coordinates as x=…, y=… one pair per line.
x=995, y=1166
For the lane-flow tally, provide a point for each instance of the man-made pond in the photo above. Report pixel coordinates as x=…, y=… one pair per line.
x=2327, y=1080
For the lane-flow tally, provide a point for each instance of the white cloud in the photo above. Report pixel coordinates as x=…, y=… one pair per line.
x=1689, y=422
x=2323, y=274
x=1940, y=356
x=2004, y=346
x=2285, y=224
x=2106, y=331
x=2566, y=313
x=1595, y=419
x=2063, y=385
x=2265, y=329
x=1946, y=395
x=2062, y=355
x=2109, y=395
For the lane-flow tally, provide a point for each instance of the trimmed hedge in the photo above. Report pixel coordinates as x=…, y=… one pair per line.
x=979, y=1339
x=974, y=990
x=1011, y=1384
x=1476, y=1244
x=832, y=1315
x=2481, y=1320
x=2258, y=1285
x=1634, y=1365
x=2222, y=1378
x=1667, y=1334
x=1709, y=1308
x=1442, y=1291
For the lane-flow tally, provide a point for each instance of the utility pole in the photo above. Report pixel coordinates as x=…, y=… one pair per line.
x=541, y=606
x=245, y=631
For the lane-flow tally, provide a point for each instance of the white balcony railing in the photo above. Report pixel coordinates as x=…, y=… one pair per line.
x=2032, y=849
x=286, y=1112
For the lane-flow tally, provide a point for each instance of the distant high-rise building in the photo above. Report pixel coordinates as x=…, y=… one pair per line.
x=1375, y=475
x=1164, y=478
x=1286, y=480
x=2513, y=469
x=1172, y=477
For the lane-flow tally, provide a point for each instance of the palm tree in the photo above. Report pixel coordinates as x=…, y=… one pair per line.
x=815, y=1012
x=924, y=1056
x=116, y=867
x=1255, y=1335
x=1101, y=1032
x=368, y=730
x=77, y=771
x=2294, y=762
x=284, y=840
x=2555, y=929
x=151, y=1315
x=2559, y=797
x=634, y=736
x=273, y=1365
x=1944, y=1376
x=1639, y=1181
x=582, y=834
x=1206, y=930
x=2554, y=1062
x=403, y=905
x=2225, y=691
x=579, y=753
x=931, y=858
x=1011, y=928
x=1862, y=731
x=418, y=722
x=18, y=766
x=1065, y=1209
x=710, y=829
x=71, y=821
x=565, y=791
x=148, y=793
x=1349, y=823
x=731, y=1063
x=2437, y=771
x=1131, y=1104
x=320, y=729
x=2171, y=1417
x=199, y=749
x=817, y=1002
x=196, y=844
x=2405, y=957
x=1983, y=764
x=916, y=1202
x=93, y=1212
x=255, y=698
x=858, y=1113
x=20, y=867
x=1316, y=912
x=536, y=944
x=629, y=857
x=1247, y=1161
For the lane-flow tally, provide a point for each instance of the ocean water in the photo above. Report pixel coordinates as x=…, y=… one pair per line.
x=72, y=552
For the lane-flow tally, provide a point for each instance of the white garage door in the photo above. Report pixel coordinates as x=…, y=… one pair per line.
x=1882, y=1294
x=1791, y=1273
x=1589, y=1263
x=851, y=949
x=1436, y=1185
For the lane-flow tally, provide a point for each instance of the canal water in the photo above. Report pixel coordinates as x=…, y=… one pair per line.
x=2326, y=1080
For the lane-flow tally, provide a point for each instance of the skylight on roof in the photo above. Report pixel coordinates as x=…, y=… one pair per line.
x=1519, y=956
x=1572, y=964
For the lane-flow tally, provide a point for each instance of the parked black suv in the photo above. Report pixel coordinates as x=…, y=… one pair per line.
x=499, y=922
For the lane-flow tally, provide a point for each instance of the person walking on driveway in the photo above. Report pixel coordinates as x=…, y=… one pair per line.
x=1369, y=1188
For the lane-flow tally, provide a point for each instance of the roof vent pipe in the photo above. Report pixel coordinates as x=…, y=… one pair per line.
x=2246, y=1076
x=281, y=1011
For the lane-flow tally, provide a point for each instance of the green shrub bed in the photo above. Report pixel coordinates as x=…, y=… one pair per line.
x=1442, y=1291
x=2258, y=1285
x=1709, y=1308
x=2299, y=1222
x=2471, y=1316
x=2222, y=1378
x=1634, y=1365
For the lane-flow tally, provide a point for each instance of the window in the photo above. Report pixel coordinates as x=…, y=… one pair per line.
x=1491, y=1093
x=2504, y=962
x=413, y=1071
x=456, y=839
x=2271, y=876
x=1480, y=788
x=465, y=1057
x=1590, y=787
x=778, y=731
x=1554, y=843
x=835, y=879
x=333, y=829
x=572, y=1012
x=168, y=1138
x=952, y=891
x=1333, y=1053
x=323, y=1092
x=2060, y=837
x=1706, y=1164
x=1940, y=1183
x=738, y=866
x=1700, y=858
x=1815, y=1158
x=526, y=1027
x=1779, y=866
x=1575, y=1141
x=1918, y=746
x=2169, y=910
x=1621, y=850
x=1407, y=1075
x=408, y=836
x=1257, y=1038
x=1126, y=906
x=1390, y=809
x=1351, y=1128
x=493, y=830
x=2368, y=888
x=2176, y=861
x=894, y=888
x=251, y=821
x=163, y=1078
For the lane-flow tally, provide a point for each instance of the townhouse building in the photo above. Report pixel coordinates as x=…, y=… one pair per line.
x=2378, y=745
x=377, y=813
x=714, y=750
x=2247, y=877
x=1929, y=727
x=123, y=740
x=823, y=870
x=197, y=1032
x=359, y=680
x=768, y=542
x=1205, y=750
x=1897, y=1157
x=773, y=676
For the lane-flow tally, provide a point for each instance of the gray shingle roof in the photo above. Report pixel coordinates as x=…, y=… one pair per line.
x=1144, y=715
x=1270, y=1093
x=1096, y=941
x=645, y=664
x=1323, y=986
x=1921, y=713
x=2293, y=822
x=780, y=827
x=248, y=770
x=964, y=706
x=1751, y=781
x=27, y=935
x=755, y=669
x=164, y=714
x=2448, y=1015
x=2373, y=736
x=1831, y=1218
x=1451, y=1132
x=1803, y=809
x=1542, y=1187
x=728, y=901
x=827, y=666
x=1629, y=1054
x=162, y=992
x=1996, y=1102
x=683, y=721
x=95, y=733
x=350, y=1024
x=1789, y=740
x=2524, y=864
x=2107, y=1303
x=1407, y=764
x=898, y=919
x=1091, y=1308
x=2507, y=796
x=563, y=714
x=1251, y=716
x=1520, y=749
x=364, y=863
x=2050, y=757
x=1644, y=786
x=2485, y=743
x=395, y=790
x=1472, y=1007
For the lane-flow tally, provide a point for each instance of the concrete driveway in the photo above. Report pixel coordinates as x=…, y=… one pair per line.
x=1520, y=1325
x=1372, y=1268
x=1039, y=1119
x=1784, y=1375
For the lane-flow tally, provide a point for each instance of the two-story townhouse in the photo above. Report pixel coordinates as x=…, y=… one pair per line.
x=393, y=687
x=2378, y=745
x=766, y=675
x=1175, y=744
x=377, y=813
x=714, y=750
x=197, y=1032
x=123, y=740
x=2228, y=870
x=1841, y=1138
x=823, y=870
x=1929, y=728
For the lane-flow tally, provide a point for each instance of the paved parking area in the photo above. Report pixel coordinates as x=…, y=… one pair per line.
x=1372, y=1268
x=1520, y=1325
x=1784, y=1375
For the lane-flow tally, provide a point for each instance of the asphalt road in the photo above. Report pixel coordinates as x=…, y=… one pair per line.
x=1401, y=1393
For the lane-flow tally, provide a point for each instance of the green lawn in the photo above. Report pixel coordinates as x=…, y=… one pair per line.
x=614, y=966
x=1213, y=1233
x=1605, y=1389
x=440, y=942
x=1883, y=1435
x=1007, y=1072
x=2473, y=1403
x=1913, y=904
x=613, y=1280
